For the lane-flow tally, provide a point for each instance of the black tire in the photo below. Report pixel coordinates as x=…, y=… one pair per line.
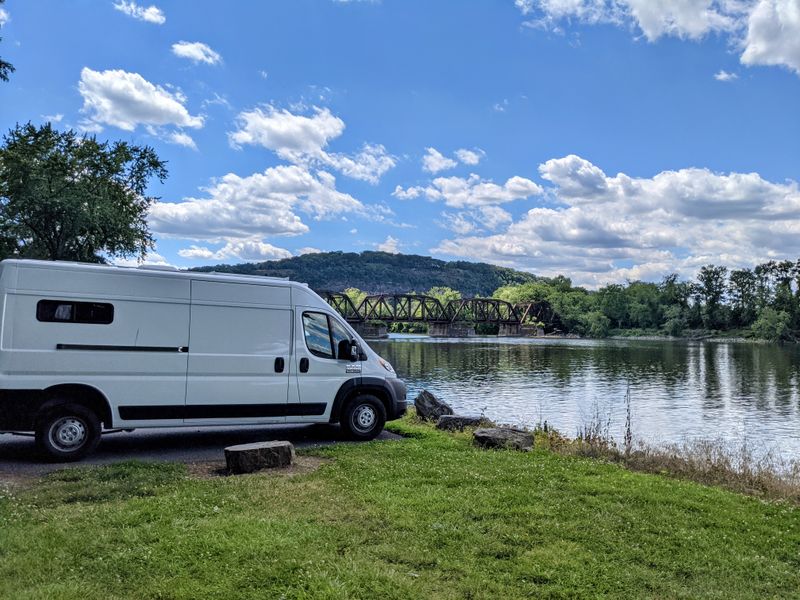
x=363, y=418
x=67, y=432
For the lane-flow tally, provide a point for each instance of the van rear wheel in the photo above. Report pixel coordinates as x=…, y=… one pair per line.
x=364, y=418
x=68, y=432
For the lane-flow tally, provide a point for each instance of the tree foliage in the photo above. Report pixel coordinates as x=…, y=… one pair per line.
x=70, y=197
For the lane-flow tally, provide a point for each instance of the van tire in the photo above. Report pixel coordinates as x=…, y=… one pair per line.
x=67, y=432
x=363, y=418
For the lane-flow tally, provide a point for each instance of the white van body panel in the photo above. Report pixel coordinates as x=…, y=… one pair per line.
x=183, y=348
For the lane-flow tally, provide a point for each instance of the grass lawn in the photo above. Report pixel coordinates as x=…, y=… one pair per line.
x=426, y=517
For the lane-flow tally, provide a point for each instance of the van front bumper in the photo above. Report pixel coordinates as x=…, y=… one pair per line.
x=399, y=401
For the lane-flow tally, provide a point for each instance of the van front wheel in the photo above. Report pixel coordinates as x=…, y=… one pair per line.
x=364, y=418
x=68, y=432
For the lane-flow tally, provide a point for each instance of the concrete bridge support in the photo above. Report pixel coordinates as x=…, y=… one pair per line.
x=371, y=331
x=509, y=330
x=451, y=330
x=531, y=331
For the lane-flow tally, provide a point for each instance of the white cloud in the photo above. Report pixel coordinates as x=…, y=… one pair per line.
x=609, y=228
x=470, y=157
x=56, y=118
x=151, y=14
x=197, y=52
x=390, y=245
x=434, y=161
x=460, y=192
x=4, y=17
x=722, y=75
x=766, y=31
x=264, y=74
x=182, y=139
x=261, y=204
x=152, y=258
x=303, y=139
x=308, y=250
x=773, y=34
x=248, y=250
x=126, y=100
x=483, y=218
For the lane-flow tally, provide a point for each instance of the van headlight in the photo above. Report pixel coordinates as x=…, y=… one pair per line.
x=386, y=365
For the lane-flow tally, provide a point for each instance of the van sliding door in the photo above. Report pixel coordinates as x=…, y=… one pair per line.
x=239, y=348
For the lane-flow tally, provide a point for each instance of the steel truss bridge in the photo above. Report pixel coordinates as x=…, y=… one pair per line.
x=416, y=308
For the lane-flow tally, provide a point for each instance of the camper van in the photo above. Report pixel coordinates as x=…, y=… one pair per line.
x=87, y=349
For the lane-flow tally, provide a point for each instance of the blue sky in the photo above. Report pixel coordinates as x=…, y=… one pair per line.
x=602, y=139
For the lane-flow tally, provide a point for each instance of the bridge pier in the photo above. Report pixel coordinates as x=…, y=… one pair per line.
x=531, y=331
x=509, y=330
x=451, y=330
x=371, y=331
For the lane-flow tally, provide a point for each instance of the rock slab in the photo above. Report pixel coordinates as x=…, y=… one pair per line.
x=429, y=407
x=248, y=458
x=503, y=437
x=458, y=422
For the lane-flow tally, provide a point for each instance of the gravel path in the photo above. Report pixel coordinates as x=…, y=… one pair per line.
x=19, y=459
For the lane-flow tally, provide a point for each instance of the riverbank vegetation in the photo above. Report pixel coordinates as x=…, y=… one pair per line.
x=426, y=517
x=760, y=303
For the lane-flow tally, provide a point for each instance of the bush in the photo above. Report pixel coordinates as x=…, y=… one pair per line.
x=772, y=325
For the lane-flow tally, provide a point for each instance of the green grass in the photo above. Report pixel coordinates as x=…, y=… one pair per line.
x=426, y=517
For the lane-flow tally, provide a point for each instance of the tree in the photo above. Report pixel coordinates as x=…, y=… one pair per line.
x=743, y=287
x=6, y=68
x=772, y=325
x=712, y=286
x=70, y=197
x=443, y=294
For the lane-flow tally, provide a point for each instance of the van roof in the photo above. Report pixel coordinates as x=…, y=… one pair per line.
x=151, y=271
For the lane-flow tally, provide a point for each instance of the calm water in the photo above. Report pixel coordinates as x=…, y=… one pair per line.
x=679, y=390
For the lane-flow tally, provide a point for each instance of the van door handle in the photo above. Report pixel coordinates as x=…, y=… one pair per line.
x=304, y=365
x=279, y=364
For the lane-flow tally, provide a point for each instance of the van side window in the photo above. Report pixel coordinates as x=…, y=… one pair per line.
x=66, y=311
x=339, y=333
x=318, y=334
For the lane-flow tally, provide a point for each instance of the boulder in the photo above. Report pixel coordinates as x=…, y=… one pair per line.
x=247, y=458
x=429, y=407
x=504, y=437
x=458, y=423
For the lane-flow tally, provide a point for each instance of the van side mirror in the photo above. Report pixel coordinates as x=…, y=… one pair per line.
x=347, y=350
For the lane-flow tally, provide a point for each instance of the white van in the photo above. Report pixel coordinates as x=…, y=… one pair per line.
x=86, y=348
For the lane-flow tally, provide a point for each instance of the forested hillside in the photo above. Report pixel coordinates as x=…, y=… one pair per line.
x=381, y=272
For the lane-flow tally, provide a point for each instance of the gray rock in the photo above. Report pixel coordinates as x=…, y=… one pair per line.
x=429, y=407
x=458, y=423
x=504, y=437
x=247, y=458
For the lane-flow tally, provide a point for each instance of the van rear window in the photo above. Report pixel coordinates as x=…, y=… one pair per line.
x=67, y=311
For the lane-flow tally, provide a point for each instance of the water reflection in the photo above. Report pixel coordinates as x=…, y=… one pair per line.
x=679, y=390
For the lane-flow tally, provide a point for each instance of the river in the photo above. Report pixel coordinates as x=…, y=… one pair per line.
x=679, y=391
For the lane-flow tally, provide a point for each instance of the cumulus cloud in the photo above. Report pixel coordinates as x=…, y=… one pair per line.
x=4, y=17
x=150, y=14
x=308, y=250
x=251, y=250
x=722, y=75
x=773, y=34
x=197, y=52
x=484, y=218
x=434, y=161
x=303, y=139
x=608, y=228
x=261, y=204
x=470, y=157
x=472, y=191
x=182, y=139
x=126, y=100
x=56, y=118
x=766, y=31
x=390, y=245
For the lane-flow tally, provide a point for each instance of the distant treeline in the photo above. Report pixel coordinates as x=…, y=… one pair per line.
x=763, y=302
x=381, y=272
